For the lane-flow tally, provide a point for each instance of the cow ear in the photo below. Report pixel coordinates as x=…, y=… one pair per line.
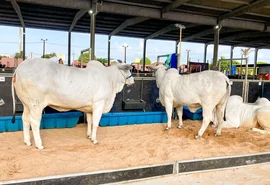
x=124, y=66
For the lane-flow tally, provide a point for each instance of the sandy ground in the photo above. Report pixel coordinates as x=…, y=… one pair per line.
x=248, y=175
x=68, y=151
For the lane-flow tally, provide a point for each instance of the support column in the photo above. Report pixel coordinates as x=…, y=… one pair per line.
x=109, y=50
x=255, y=62
x=231, y=60
x=23, y=43
x=176, y=46
x=69, y=47
x=216, y=44
x=144, y=53
x=93, y=26
x=205, y=52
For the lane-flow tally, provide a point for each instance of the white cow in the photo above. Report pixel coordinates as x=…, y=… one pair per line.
x=240, y=114
x=262, y=102
x=207, y=89
x=41, y=82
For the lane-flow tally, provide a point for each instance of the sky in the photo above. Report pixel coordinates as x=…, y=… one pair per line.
x=58, y=42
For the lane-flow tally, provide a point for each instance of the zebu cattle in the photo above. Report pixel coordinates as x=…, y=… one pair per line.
x=262, y=102
x=207, y=89
x=41, y=82
x=247, y=115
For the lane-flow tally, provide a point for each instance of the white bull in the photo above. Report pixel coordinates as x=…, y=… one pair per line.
x=240, y=114
x=41, y=82
x=262, y=102
x=207, y=89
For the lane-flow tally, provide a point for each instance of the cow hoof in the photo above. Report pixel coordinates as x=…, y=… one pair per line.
x=167, y=129
x=28, y=143
x=197, y=136
x=95, y=142
x=180, y=127
x=213, y=125
x=216, y=135
x=89, y=137
x=40, y=147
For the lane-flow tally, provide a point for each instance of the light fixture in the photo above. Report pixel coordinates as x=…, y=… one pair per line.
x=90, y=11
x=217, y=27
x=180, y=26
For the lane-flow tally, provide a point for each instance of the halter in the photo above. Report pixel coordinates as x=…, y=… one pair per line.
x=124, y=75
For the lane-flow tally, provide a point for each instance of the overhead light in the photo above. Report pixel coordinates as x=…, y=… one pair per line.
x=217, y=27
x=90, y=11
x=180, y=26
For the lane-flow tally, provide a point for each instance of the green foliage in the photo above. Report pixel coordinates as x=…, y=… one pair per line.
x=19, y=55
x=85, y=57
x=49, y=55
x=262, y=63
x=147, y=61
x=225, y=64
x=102, y=60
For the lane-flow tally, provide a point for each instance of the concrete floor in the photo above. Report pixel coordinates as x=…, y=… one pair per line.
x=248, y=175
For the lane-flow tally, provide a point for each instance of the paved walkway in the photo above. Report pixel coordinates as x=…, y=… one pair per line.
x=248, y=175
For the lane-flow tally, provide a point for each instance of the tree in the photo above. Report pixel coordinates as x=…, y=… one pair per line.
x=2, y=56
x=50, y=55
x=225, y=64
x=85, y=57
x=102, y=60
x=262, y=63
x=18, y=55
x=147, y=61
x=245, y=52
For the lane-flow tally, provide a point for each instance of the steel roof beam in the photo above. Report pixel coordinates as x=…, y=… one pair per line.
x=127, y=23
x=162, y=31
x=175, y=4
x=242, y=35
x=77, y=17
x=138, y=11
x=245, y=8
x=199, y=34
x=18, y=11
x=251, y=42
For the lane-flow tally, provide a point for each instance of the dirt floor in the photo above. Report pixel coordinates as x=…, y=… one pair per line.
x=69, y=151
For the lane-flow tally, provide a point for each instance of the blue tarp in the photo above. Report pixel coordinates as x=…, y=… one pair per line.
x=171, y=61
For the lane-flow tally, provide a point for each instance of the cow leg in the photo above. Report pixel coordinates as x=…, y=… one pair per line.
x=266, y=131
x=207, y=113
x=89, y=127
x=169, y=108
x=220, y=114
x=97, y=113
x=180, y=115
x=263, y=120
x=26, y=125
x=35, y=118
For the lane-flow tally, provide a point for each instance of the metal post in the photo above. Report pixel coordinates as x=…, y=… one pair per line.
x=179, y=49
x=144, y=53
x=44, y=40
x=241, y=66
x=246, y=82
x=255, y=63
x=23, y=43
x=216, y=44
x=69, y=47
x=231, y=60
x=176, y=46
x=109, y=50
x=205, y=53
x=93, y=25
x=188, y=50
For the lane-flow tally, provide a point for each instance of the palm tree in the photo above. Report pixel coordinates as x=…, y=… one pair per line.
x=245, y=52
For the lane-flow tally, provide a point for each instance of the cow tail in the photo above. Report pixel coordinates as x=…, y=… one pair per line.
x=13, y=97
x=227, y=96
